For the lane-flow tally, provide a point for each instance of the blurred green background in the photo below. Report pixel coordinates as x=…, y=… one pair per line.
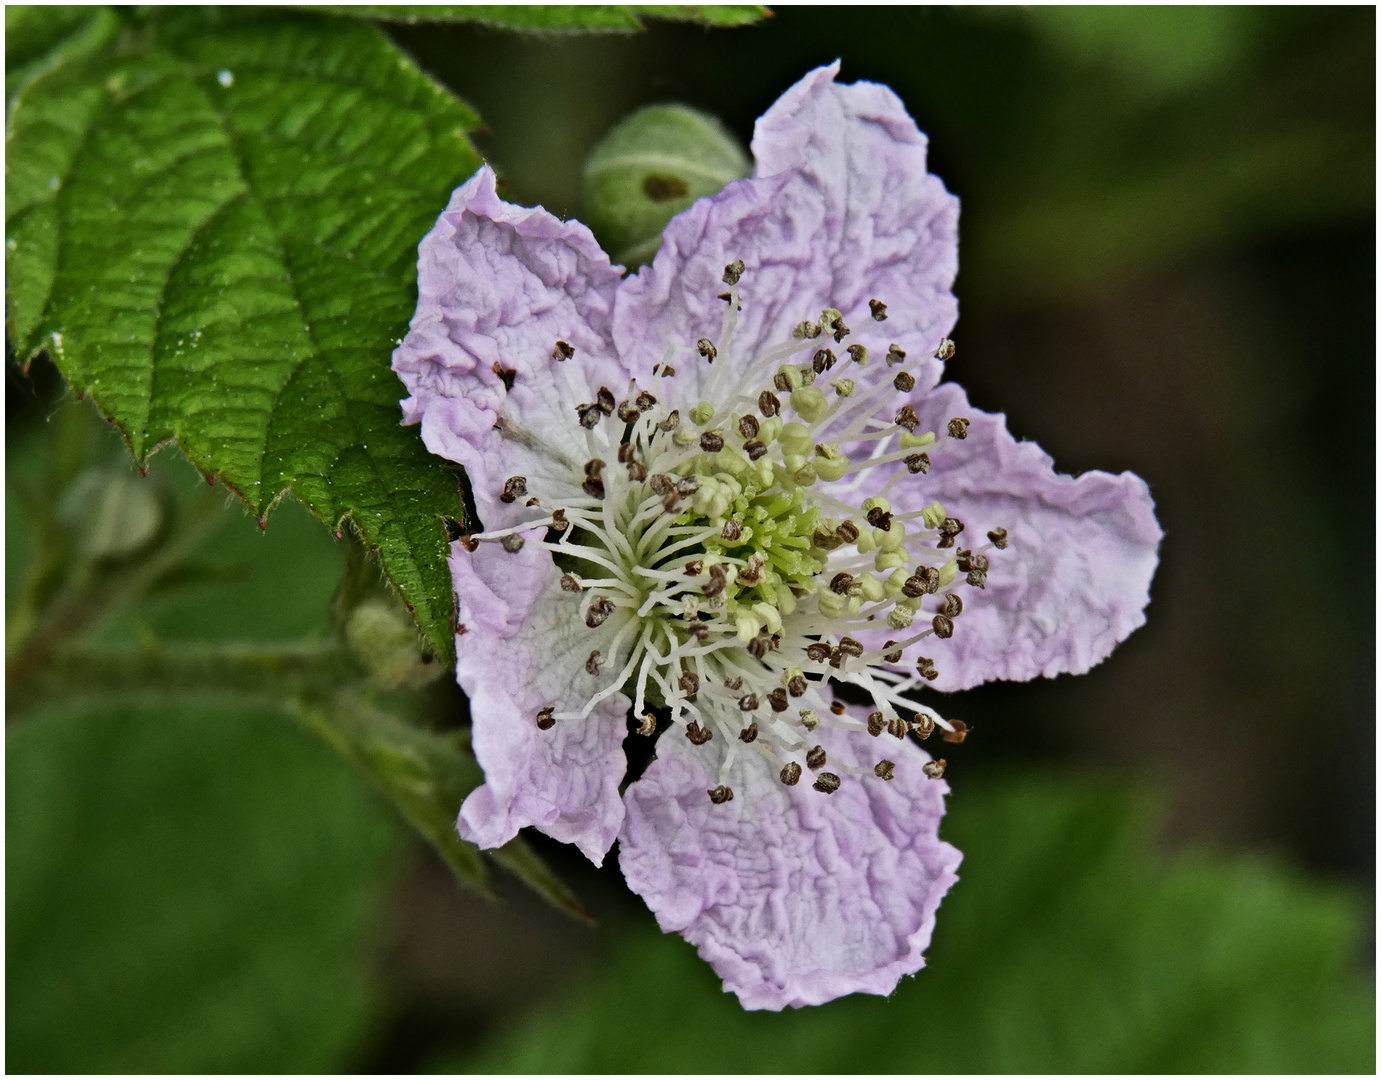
x=1167, y=266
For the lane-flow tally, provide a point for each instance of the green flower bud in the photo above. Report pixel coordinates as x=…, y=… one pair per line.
x=702, y=413
x=647, y=169
x=795, y=439
x=947, y=572
x=911, y=442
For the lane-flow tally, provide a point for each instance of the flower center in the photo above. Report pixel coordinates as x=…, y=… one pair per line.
x=729, y=560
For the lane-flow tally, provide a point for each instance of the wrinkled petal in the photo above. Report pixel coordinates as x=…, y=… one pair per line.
x=1076, y=577
x=524, y=648
x=498, y=286
x=841, y=211
x=794, y=897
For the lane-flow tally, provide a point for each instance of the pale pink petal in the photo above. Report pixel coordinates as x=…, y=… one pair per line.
x=794, y=897
x=524, y=648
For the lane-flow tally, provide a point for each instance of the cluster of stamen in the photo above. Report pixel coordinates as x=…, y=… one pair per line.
x=727, y=575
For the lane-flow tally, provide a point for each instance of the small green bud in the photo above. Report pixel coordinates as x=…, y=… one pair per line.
x=843, y=387
x=648, y=168
x=871, y=587
x=947, y=572
x=795, y=439
x=888, y=560
x=831, y=604
x=791, y=376
x=901, y=617
x=702, y=413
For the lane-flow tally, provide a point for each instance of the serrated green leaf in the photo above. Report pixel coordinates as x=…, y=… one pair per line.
x=556, y=18
x=1064, y=948
x=213, y=231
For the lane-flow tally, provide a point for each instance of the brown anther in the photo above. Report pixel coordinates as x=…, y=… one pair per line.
x=959, y=734
x=954, y=605
x=647, y=725
x=721, y=794
x=918, y=463
x=644, y=400
x=594, y=467
x=754, y=448
x=597, y=612
x=698, y=630
x=837, y=657
x=840, y=583
x=672, y=421
x=999, y=538
x=961, y=560
x=569, y=583
x=661, y=484
x=837, y=707
x=468, y=542
x=506, y=374
x=628, y=412
x=718, y=579
x=815, y=758
x=929, y=578
x=877, y=724
x=513, y=488
x=769, y=404
x=825, y=541
x=705, y=347
x=851, y=647
x=733, y=272
x=687, y=486
x=840, y=331
x=796, y=685
x=667, y=370
x=534, y=501
x=858, y=354
x=563, y=351
x=736, y=683
x=759, y=647
x=934, y=769
x=512, y=543
x=712, y=442
x=637, y=471
x=777, y=700
x=847, y=531
x=944, y=626
x=977, y=578
x=806, y=329
x=893, y=657
x=922, y=725
x=558, y=519
x=589, y=415
x=748, y=427
x=959, y=428
x=951, y=527
x=725, y=296
x=945, y=351
x=913, y=587
x=818, y=651
x=896, y=727
x=593, y=487
x=895, y=354
x=604, y=398
x=925, y=668
x=698, y=735
x=822, y=361
x=884, y=769
x=906, y=417
x=879, y=310
x=826, y=782
x=879, y=518
x=905, y=382
x=749, y=734
x=751, y=574
x=689, y=683
x=978, y=562
x=748, y=702
x=695, y=567
x=732, y=530
x=782, y=383
x=593, y=661
x=545, y=719
x=791, y=773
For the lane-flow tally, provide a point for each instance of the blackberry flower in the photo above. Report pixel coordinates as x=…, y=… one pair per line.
x=721, y=498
